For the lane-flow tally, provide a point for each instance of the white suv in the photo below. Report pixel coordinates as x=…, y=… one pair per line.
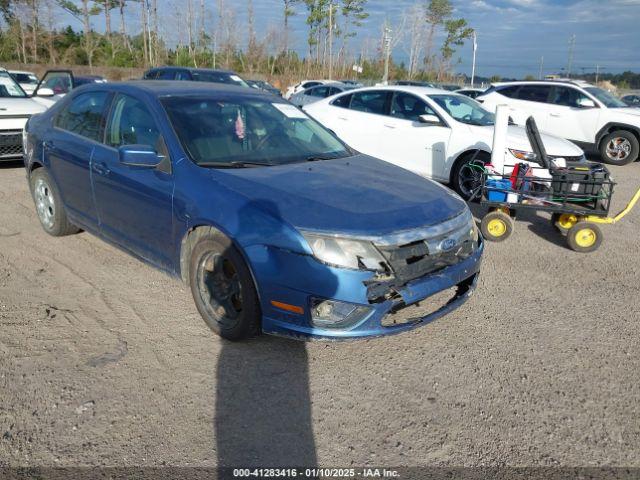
x=435, y=133
x=577, y=111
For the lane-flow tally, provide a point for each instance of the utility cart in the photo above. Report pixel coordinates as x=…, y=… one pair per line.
x=577, y=194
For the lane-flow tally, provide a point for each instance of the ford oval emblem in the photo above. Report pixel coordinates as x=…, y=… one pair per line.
x=447, y=244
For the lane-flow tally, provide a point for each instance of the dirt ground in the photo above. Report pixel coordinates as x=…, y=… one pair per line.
x=105, y=361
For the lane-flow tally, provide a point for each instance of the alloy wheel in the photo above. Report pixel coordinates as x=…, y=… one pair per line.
x=470, y=178
x=45, y=204
x=619, y=148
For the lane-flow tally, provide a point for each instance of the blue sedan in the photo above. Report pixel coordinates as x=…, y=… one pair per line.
x=273, y=222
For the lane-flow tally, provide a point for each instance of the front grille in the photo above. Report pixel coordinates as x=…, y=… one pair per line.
x=412, y=261
x=11, y=144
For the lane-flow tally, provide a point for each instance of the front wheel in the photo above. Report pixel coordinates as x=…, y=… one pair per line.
x=496, y=226
x=49, y=207
x=584, y=237
x=222, y=286
x=620, y=148
x=467, y=175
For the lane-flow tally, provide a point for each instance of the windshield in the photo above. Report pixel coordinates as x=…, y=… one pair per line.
x=605, y=97
x=9, y=88
x=464, y=109
x=231, y=131
x=219, y=77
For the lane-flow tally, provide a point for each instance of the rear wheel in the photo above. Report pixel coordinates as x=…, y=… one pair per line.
x=584, y=237
x=496, y=226
x=222, y=286
x=49, y=207
x=467, y=175
x=563, y=221
x=620, y=148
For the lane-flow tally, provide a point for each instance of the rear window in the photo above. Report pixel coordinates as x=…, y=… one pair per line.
x=219, y=77
x=510, y=92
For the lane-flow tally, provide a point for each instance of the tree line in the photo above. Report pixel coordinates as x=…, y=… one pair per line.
x=211, y=34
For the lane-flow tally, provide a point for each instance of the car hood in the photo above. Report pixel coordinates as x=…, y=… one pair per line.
x=631, y=114
x=517, y=139
x=20, y=107
x=354, y=196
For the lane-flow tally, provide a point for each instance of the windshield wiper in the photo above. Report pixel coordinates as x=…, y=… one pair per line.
x=319, y=158
x=235, y=164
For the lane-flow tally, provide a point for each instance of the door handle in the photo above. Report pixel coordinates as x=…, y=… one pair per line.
x=557, y=115
x=342, y=118
x=390, y=126
x=100, y=169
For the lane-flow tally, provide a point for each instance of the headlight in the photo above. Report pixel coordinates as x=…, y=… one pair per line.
x=342, y=252
x=522, y=155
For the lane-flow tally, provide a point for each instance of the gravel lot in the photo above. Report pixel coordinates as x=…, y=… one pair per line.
x=105, y=361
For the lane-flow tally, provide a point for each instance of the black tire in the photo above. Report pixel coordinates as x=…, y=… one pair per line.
x=463, y=184
x=584, y=237
x=222, y=286
x=496, y=219
x=620, y=148
x=49, y=207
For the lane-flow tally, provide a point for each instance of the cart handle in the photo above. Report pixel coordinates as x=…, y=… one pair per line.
x=609, y=220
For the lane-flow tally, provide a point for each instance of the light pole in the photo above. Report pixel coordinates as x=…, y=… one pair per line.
x=387, y=56
x=473, y=68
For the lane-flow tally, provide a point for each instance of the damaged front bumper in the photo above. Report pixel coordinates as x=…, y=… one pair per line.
x=295, y=279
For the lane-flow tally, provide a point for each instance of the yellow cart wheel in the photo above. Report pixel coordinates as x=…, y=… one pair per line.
x=496, y=226
x=564, y=221
x=584, y=237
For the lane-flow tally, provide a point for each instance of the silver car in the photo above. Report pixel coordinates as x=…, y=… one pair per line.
x=318, y=92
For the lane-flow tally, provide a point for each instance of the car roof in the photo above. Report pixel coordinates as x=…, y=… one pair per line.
x=575, y=83
x=405, y=88
x=21, y=71
x=192, y=69
x=162, y=88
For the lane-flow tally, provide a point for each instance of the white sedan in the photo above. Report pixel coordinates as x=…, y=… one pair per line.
x=432, y=132
x=15, y=109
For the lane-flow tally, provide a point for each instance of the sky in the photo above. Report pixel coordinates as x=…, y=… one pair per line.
x=513, y=35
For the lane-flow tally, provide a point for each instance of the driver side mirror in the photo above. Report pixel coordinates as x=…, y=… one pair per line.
x=586, y=103
x=44, y=92
x=429, y=120
x=142, y=156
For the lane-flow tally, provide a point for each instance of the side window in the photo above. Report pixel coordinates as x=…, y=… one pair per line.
x=409, y=107
x=131, y=123
x=151, y=75
x=183, y=75
x=566, y=97
x=332, y=91
x=509, y=92
x=369, y=101
x=59, y=82
x=535, y=93
x=342, y=101
x=84, y=115
x=166, y=75
x=310, y=84
x=320, y=92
